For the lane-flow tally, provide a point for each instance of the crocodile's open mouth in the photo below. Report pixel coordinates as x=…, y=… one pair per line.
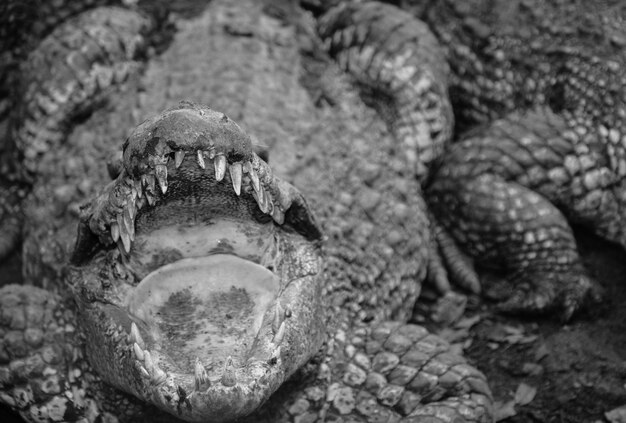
x=197, y=270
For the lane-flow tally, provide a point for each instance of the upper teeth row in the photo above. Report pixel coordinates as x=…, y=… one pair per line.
x=144, y=189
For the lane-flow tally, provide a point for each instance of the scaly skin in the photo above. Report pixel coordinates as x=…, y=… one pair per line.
x=68, y=74
x=50, y=83
x=506, y=190
x=353, y=173
x=401, y=72
x=401, y=69
x=191, y=194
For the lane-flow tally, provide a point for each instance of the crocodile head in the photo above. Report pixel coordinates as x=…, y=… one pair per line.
x=197, y=271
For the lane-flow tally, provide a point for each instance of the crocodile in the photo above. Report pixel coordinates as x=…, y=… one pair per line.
x=313, y=325
x=539, y=96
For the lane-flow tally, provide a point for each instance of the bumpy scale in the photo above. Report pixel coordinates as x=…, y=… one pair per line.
x=352, y=170
x=506, y=190
x=402, y=72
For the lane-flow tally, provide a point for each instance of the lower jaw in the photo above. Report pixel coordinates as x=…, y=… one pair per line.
x=209, y=309
x=219, y=311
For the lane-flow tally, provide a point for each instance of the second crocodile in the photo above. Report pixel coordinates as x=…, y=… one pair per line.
x=543, y=79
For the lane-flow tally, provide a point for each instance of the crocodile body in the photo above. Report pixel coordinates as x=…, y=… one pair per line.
x=41, y=95
x=65, y=357
x=543, y=80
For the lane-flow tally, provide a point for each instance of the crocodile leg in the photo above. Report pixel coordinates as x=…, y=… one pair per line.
x=390, y=372
x=504, y=193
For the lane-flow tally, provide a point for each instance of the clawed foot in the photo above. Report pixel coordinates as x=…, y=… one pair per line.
x=528, y=292
x=563, y=295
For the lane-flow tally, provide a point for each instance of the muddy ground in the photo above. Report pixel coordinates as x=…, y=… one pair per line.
x=582, y=367
x=578, y=370
x=542, y=370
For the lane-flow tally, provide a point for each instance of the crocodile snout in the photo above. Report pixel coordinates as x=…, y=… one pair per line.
x=207, y=265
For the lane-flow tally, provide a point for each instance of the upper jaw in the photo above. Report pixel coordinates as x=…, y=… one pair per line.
x=287, y=327
x=211, y=138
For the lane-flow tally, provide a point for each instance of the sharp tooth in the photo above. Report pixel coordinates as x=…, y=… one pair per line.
x=128, y=223
x=131, y=210
x=125, y=241
x=278, y=338
x=235, y=176
x=147, y=361
x=151, y=370
x=149, y=183
x=211, y=153
x=151, y=199
x=123, y=233
x=275, y=353
x=135, y=335
x=159, y=376
x=115, y=231
x=269, y=203
x=200, y=375
x=279, y=317
x=132, y=337
x=137, y=186
x=144, y=372
x=260, y=200
x=278, y=215
x=131, y=200
x=161, y=174
x=133, y=193
x=140, y=203
x=178, y=158
x=229, y=378
x=138, y=352
x=256, y=184
x=220, y=167
x=201, y=159
x=120, y=221
x=263, y=196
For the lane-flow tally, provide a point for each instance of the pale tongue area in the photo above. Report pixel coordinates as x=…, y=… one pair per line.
x=210, y=307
